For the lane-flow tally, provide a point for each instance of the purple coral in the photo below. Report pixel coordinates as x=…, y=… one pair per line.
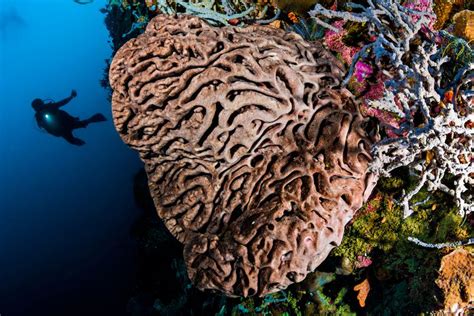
x=362, y=71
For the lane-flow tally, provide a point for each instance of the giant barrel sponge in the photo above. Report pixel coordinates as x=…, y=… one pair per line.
x=256, y=156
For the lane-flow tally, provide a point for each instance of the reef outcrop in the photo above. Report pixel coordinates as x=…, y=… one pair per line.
x=256, y=157
x=456, y=280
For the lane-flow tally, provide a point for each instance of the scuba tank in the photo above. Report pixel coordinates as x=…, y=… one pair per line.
x=48, y=121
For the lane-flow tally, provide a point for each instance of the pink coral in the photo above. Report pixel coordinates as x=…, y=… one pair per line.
x=363, y=262
x=385, y=117
x=370, y=91
x=425, y=6
x=376, y=89
x=376, y=92
x=334, y=42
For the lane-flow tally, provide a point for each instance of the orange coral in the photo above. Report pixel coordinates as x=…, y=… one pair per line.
x=444, y=10
x=448, y=96
x=363, y=288
x=456, y=280
x=293, y=17
x=150, y=3
x=464, y=25
x=275, y=24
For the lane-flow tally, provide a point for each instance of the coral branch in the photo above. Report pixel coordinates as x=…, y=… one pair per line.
x=213, y=17
x=453, y=244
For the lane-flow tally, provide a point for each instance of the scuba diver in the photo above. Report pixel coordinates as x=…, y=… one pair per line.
x=58, y=122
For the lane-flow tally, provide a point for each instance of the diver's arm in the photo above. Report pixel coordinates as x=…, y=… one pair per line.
x=61, y=103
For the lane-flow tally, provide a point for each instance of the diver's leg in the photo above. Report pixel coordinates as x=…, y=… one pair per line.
x=80, y=124
x=93, y=119
x=98, y=117
x=73, y=140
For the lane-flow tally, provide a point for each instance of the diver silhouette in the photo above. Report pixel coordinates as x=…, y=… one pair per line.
x=58, y=122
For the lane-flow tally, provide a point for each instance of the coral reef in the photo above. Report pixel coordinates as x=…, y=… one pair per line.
x=256, y=159
x=407, y=53
x=224, y=12
x=398, y=270
x=376, y=248
x=387, y=45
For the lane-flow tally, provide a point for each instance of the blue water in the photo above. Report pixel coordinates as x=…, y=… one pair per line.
x=65, y=211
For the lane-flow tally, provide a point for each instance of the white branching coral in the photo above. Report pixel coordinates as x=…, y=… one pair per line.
x=437, y=146
x=219, y=13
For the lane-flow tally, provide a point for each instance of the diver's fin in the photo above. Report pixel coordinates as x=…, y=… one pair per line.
x=96, y=118
x=73, y=140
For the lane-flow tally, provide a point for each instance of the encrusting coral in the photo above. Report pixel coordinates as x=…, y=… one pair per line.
x=464, y=25
x=456, y=280
x=444, y=9
x=256, y=157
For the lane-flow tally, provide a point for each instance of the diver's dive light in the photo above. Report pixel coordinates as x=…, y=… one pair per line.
x=49, y=119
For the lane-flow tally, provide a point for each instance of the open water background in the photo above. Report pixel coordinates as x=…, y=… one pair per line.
x=65, y=211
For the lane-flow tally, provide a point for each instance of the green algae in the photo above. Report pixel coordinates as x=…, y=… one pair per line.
x=460, y=54
x=401, y=268
x=295, y=301
x=380, y=224
x=280, y=303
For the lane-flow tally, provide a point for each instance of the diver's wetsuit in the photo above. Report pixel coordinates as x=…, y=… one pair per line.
x=60, y=123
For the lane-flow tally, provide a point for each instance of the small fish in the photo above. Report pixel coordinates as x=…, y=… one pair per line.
x=293, y=17
x=234, y=21
x=448, y=96
x=83, y=1
x=10, y=19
